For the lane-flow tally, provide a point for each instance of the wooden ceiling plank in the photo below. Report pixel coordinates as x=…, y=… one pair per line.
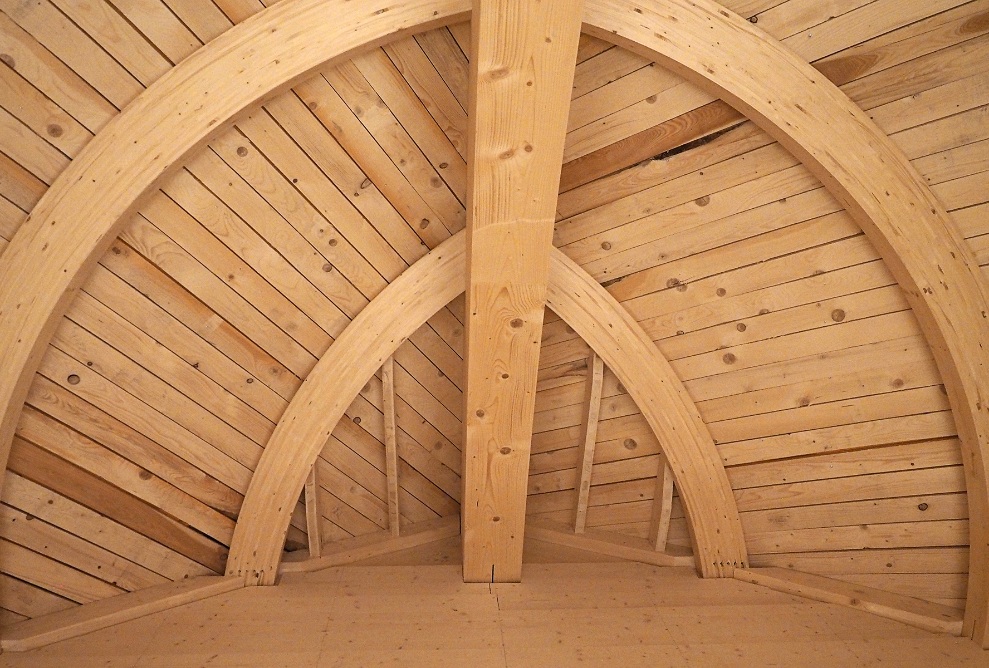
x=66, y=514
x=119, y=334
x=42, y=69
x=347, y=266
x=44, y=538
x=450, y=62
x=309, y=127
x=287, y=255
x=29, y=600
x=907, y=360
x=196, y=219
x=169, y=300
x=516, y=126
x=53, y=575
x=398, y=149
x=290, y=158
x=409, y=58
x=143, y=319
x=111, y=399
x=83, y=487
x=94, y=458
x=75, y=48
x=391, y=445
x=410, y=111
x=588, y=438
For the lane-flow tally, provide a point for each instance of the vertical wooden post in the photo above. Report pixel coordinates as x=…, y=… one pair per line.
x=522, y=65
x=662, y=505
x=313, y=518
x=391, y=446
x=588, y=437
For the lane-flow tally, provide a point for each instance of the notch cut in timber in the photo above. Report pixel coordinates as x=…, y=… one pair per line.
x=588, y=438
x=522, y=68
x=391, y=444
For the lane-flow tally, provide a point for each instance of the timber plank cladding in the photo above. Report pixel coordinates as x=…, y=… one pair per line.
x=268, y=294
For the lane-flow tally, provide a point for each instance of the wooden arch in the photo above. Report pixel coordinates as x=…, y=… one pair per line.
x=92, y=200
x=376, y=333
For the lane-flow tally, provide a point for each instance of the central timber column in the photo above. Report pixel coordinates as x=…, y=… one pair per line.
x=522, y=64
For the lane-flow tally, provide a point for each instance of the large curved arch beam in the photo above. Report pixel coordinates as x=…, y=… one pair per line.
x=91, y=201
x=708, y=501
x=865, y=171
x=370, y=339
x=403, y=307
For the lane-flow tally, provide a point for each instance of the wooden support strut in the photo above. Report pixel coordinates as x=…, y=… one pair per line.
x=313, y=519
x=588, y=438
x=391, y=445
x=519, y=102
x=662, y=506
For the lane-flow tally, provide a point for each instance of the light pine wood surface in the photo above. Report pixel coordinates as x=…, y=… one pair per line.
x=598, y=614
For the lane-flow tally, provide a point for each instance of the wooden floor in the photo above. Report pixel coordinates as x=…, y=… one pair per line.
x=564, y=614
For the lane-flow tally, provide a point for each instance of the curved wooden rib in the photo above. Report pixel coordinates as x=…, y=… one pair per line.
x=375, y=334
x=864, y=170
x=612, y=333
x=80, y=215
x=372, y=337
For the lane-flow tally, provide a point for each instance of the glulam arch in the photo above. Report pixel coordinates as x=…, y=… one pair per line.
x=376, y=333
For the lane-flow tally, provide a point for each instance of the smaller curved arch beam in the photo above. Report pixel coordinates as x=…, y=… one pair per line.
x=90, y=202
x=712, y=514
x=370, y=339
x=872, y=179
x=402, y=308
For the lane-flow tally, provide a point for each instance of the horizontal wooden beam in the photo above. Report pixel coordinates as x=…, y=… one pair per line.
x=40, y=631
x=611, y=544
x=349, y=550
x=912, y=611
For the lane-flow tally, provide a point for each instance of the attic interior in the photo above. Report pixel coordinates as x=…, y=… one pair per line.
x=719, y=267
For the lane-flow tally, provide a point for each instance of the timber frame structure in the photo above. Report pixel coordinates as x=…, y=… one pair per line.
x=493, y=241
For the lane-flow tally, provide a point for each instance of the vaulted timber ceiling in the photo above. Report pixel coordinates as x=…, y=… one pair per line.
x=265, y=213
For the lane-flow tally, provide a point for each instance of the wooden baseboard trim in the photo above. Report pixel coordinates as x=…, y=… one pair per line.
x=41, y=631
x=376, y=544
x=610, y=544
x=913, y=611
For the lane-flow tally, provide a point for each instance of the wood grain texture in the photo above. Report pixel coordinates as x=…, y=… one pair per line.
x=709, y=504
x=78, y=218
x=872, y=179
x=77, y=621
x=355, y=356
x=523, y=58
x=929, y=616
